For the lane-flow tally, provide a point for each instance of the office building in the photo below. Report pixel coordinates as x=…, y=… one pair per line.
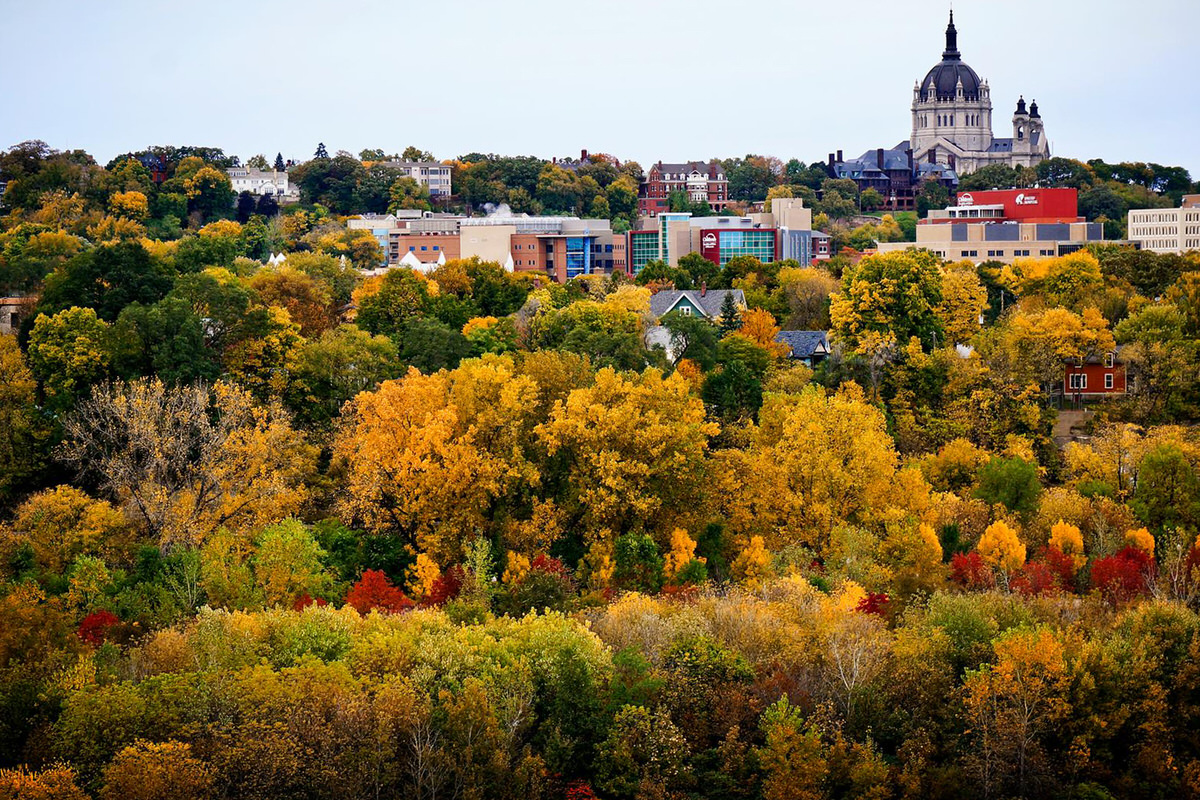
x=1167, y=230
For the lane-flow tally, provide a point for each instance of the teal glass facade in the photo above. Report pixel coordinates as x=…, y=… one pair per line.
x=757, y=243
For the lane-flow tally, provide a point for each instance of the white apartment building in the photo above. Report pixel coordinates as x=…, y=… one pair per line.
x=1167, y=230
x=433, y=175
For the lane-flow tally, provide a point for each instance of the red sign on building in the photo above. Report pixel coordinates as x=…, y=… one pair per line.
x=1028, y=205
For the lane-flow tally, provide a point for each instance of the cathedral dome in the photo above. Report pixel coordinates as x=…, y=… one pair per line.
x=945, y=75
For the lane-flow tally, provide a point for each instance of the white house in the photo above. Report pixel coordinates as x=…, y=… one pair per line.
x=257, y=182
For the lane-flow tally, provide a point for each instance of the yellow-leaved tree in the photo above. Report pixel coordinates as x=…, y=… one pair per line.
x=1068, y=539
x=815, y=460
x=636, y=447
x=759, y=326
x=1142, y=539
x=1012, y=705
x=753, y=566
x=963, y=300
x=1001, y=548
x=413, y=467
x=187, y=460
x=682, y=552
x=63, y=523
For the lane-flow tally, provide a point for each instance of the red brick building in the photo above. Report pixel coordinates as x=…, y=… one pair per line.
x=702, y=183
x=1094, y=377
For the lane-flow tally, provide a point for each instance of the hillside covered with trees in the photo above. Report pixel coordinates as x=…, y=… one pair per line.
x=286, y=530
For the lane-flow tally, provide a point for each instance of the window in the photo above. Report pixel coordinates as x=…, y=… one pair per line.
x=424, y=247
x=1108, y=381
x=435, y=247
x=685, y=310
x=1078, y=381
x=1108, y=360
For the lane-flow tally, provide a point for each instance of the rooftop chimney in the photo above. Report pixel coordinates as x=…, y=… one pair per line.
x=840, y=159
x=583, y=155
x=703, y=288
x=879, y=157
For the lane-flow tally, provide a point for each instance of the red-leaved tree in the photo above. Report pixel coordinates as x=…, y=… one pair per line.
x=1035, y=578
x=580, y=790
x=305, y=600
x=445, y=588
x=874, y=603
x=1063, y=567
x=968, y=569
x=1124, y=575
x=375, y=591
x=95, y=626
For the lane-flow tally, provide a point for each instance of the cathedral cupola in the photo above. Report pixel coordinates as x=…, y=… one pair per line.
x=951, y=52
x=943, y=81
x=1033, y=112
x=1021, y=107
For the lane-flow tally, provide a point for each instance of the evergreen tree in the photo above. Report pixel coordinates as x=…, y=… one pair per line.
x=245, y=206
x=279, y=165
x=730, y=319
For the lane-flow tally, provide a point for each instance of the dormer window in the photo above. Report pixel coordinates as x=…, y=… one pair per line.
x=1108, y=360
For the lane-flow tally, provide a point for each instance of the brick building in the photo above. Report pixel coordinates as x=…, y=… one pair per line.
x=701, y=182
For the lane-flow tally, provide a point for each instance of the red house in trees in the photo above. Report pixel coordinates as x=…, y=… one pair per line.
x=1094, y=377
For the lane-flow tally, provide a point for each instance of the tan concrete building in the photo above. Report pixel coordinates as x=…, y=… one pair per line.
x=489, y=242
x=424, y=246
x=1000, y=241
x=1167, y=230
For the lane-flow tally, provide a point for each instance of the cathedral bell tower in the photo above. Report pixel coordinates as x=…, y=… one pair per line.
x=1029, y=138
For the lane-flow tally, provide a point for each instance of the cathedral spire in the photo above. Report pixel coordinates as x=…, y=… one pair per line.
x=951, y=51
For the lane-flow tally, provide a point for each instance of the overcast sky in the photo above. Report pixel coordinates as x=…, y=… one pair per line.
x=640, y=79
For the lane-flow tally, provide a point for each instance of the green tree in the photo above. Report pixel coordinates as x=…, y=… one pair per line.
x=1011, y=482
x=165, y=339
x=931, y=195
x=406, y=193
x=890, y=297
x=334, y=368
x=430, y=345
x=692, y=337
x=287, y=563
x=731, y=317
x=68, y=352
x=1168, y=493
x=400, y=298
x=106, y=279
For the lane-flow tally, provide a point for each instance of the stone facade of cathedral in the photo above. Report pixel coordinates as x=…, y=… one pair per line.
x=952, y=119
